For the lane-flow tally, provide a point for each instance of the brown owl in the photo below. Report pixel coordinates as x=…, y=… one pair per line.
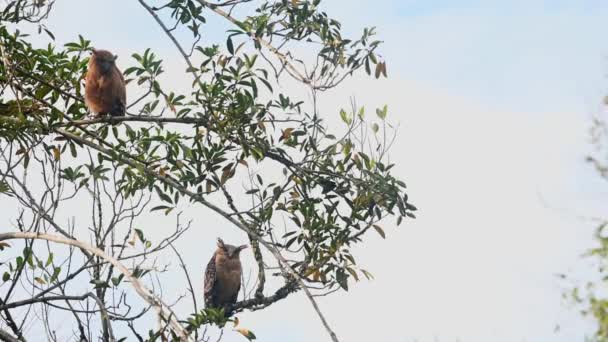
x=223, y=276
x=105, y=91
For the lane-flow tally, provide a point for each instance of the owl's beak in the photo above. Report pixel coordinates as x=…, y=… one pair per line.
x=106, y=66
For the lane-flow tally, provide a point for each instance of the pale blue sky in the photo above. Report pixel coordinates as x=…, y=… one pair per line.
x=494, y=100
x=515, y=54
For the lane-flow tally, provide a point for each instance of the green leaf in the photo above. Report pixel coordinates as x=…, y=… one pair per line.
x=140, y=235
x=5, y=189
x=367, y=275
x=382, y=112
x=116, y=280
x=230, y=45
x=257, y=153
x=342, y=279
x=346, y=148
x=361, y=113
x=49, y=260
x=56, y=272
x=372, y=56
x=164, y=196
x=160, y=207
x=345, y=117
x=73, y=150
x=19, y=261
x=378, y=71
x=375, y=127
x=380, y=231
x=353, y=273
x=6, y=276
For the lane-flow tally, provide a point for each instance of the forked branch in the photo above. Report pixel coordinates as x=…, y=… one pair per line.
x=162, y=309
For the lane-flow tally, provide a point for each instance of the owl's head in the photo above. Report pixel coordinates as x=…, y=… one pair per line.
x=103, y=59
x=229, y=250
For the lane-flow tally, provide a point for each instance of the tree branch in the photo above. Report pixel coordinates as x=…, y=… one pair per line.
x=191, y=67
x=108, y=335
x=291, y=69
x=40, y=300
x=105, y=319
x=5, y=336
x=258, y=303
x=163, y=310
x=183, y=266
x=198, y=198
x=11, y=322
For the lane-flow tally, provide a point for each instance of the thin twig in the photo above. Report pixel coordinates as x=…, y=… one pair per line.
x=162, y=308
x=291, y=69
x=191, y=67
x=183, y=266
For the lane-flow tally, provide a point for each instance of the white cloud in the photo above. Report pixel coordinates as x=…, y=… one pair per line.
x=479, y=262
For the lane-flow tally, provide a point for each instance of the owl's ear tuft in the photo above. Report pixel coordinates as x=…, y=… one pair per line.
x=220, y=243
x=241, y=247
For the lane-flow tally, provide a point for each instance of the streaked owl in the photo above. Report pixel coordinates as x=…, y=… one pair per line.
x=223, y=276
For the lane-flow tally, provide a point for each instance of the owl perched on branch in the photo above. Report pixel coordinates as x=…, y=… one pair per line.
x=105, y=91
x=223, y=276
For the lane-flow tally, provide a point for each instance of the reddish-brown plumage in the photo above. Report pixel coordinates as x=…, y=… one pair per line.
x=105, y=91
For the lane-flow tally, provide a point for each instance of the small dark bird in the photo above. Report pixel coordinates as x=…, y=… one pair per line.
x=105, y=91
x=223, y=276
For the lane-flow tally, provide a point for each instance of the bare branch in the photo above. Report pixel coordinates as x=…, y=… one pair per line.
x=163, y=310
x=191, y=67
x=191, y=288
x=5, y=336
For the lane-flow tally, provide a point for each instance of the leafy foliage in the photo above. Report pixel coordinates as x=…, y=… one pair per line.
x=324, y=192
x=591, y=297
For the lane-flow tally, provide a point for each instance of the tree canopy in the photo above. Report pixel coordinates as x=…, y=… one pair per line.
x=312, y=192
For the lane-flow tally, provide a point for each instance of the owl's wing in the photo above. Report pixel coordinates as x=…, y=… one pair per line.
x=209, y=282
x=120, y=94
x=118, y=109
